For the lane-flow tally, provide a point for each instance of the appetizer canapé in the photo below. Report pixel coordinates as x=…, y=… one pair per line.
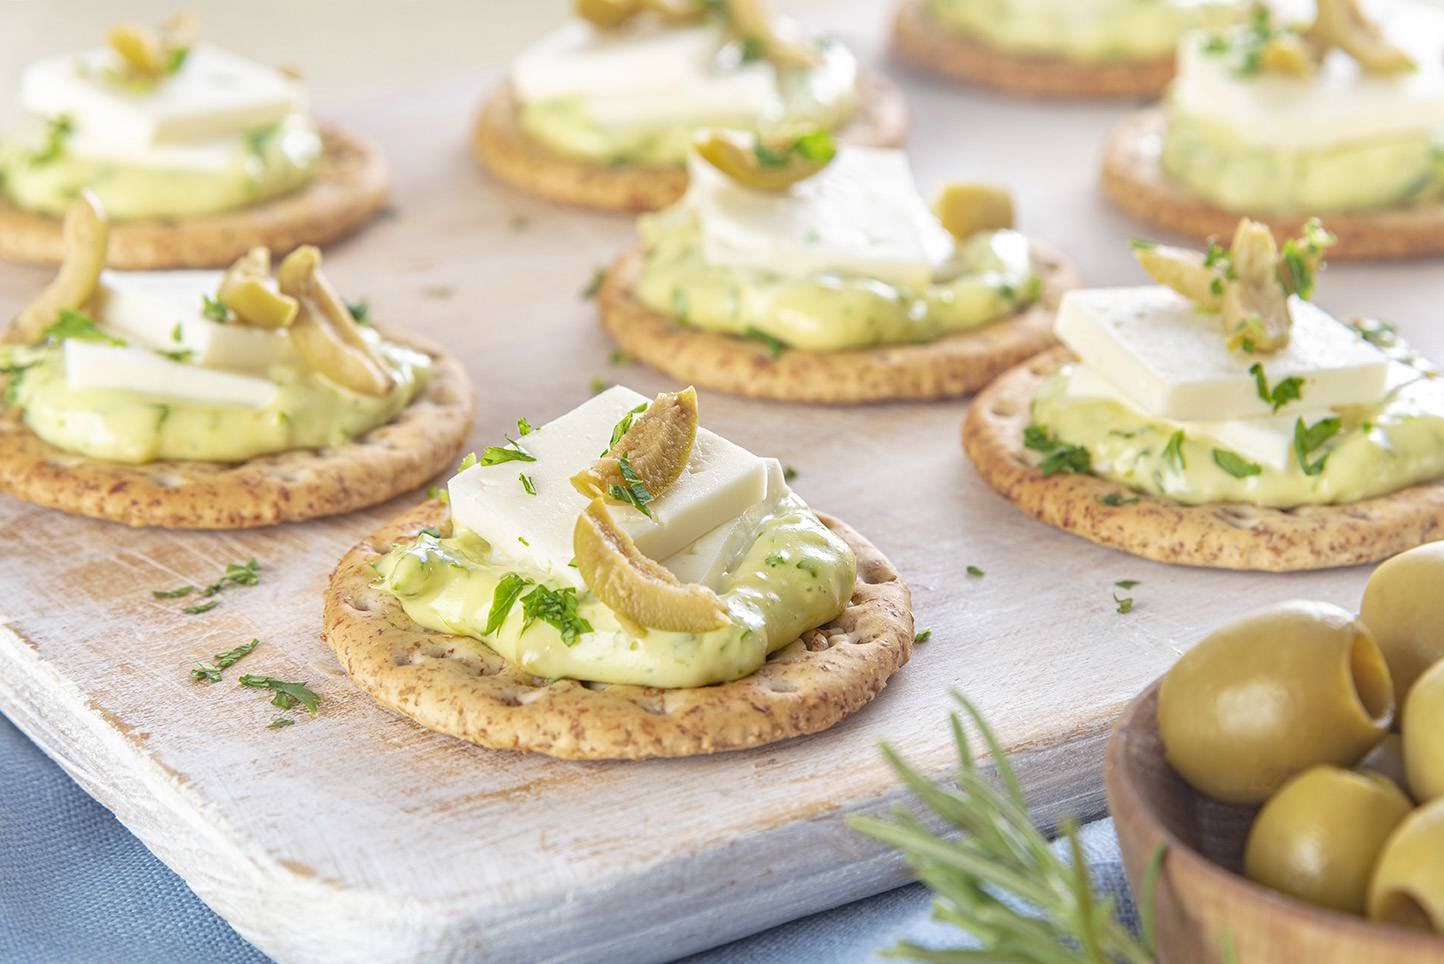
x=1059, y=48
x=798, y=269
x=204, y=396
x=601, y=112
x=196, y=153
x=619, y=544
x=1282, y=122
x=1221, y=418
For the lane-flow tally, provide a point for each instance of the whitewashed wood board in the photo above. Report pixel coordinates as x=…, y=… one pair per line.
x=359, y=835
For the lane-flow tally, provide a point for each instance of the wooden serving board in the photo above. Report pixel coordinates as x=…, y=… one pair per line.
x=359, y=835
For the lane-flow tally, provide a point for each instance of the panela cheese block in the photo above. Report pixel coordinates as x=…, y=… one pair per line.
x=861, y=215
x=1171, y=360
x=721, y=482
x=96, y=365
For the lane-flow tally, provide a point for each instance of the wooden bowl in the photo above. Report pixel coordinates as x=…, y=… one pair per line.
x=1202, y=901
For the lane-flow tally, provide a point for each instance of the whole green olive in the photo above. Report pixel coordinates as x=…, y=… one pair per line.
x=1319, y=837
x=1408, y=884
x=1404, y=609
x=1423, y=728
x=1270, y=695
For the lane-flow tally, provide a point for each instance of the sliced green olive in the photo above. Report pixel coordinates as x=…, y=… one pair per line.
x=1341, y=24
x=676, y=11
x=966, y=208
x=1404, y=609
x=324, y=333
x=765, y=164
x=607, y=14
x=1320, y=836
x=1423, y=730
x=783, y=43
x=1185, y=271
x=139, y=47
x=657, y=447
x=1272, y=694
x=244, y=291
x=1255, y=307
x=87, y=236
x=1288, y=54
x=1408, y=884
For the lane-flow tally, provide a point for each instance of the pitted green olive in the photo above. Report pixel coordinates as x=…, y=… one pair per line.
x=1283, y=689
x=765, y=164
x=1423, y=729
x=1319, y=837
x=1387, y=760
x=1404, y=608
x=966, y=208
x=1408, y=884
x=244, y=290
x=325, y=334
x=607, y=14
x=87, y=236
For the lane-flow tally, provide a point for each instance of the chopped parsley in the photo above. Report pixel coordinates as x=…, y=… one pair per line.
x=175, y=333
x=595, y=285
x=923, y=636
x=431, y=531
x=523, y=427
x=1142, y=244
x=1116, y=499
x=556, y=608
x=1310, y=438
x=211, y=672
x=360, y=311
x=258, y=141
x=1125, y=605
x=808, y=566
x=526, y=483
x=1235, y=464
x=974, y=571
x=497, y=454
x=199, y=608
x=287, y=694
x=57, y=132
x=788, y=473
x=1290, y=389
x=467, y=461
x=1299, y=256
x=775, y=560
x=625, y=425
x=619, y=357
x=176, y=59
x=215, y=309
x=280, y=723
x=598, y=384
x=633, y=490
x=77, y=324
x=1058, y=457
x=180, y=355
x=1173, y=451
x=437, y=492
x=1127, y=583
x=236, y=574
x=775, y=346
x=502, y=599
x=813, y=146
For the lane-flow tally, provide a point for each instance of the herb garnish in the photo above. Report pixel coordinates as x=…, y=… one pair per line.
x=1298, y=255
x=236, y=574
x=57, y=131
x=974, y=571
x=598, y=384
x=259, y=140
x=1309, y=438
x=180, y=355
x=467, y=461
x=360, y=311
x=1116, y=499
x=77, y=324
x=431, y=531
x=280, y=723
x=1287, y=390
x=1125, y=605
x=175, y=333
x=775, y=346
x=1127, y=583
x=523, y=427
x=557, y=608
x=1235, y=464
x=633, y=491
x=624, y=426
x=199, y=608
x=1173, y=451
x=923, y=636
x=497, y=454
x=619, y=357
x=788, y=473
x=502, y=599
x=215, y=309
x=211, y=672
x=1058, y=456
x=526, y=483
x=813, y=146
x=775, y=560
x=287, y=694
x=595, y=285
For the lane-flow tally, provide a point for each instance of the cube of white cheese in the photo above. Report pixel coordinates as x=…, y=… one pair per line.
x=1170, y=359
x=97, y=365
x=646, y=74
x=707, y=560
x=163, y=309
x=534, y=532
x=214, y=93
x=862, y=215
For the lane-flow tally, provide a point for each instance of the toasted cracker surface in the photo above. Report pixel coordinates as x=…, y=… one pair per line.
x=503, y=148
x=920, y=38
x=287, y=487
x=946, y=368
x=456, y=685
x=1219, y=536
x=349, y=187
x=1134, y=179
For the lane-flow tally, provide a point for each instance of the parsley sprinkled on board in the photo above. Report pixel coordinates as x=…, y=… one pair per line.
x=77, y=324
x=598, y=384
x=507, y=591
x=775, y=346
x=1125, y=604
x=975, y=571
x=1173, y=451
x=1127, y=583
x=246, y=573
x=199, y=608
x=1235, y=464
x=287, y=694
x=556, y=608
x=619, y=357
x=211, y=672
x=1288, y=390
x=1310, y=438
x=1116, y=499
x=788, y=473
x=1058, y=457
x=595, y=285
x=215, y=309
x=923, y=636
x=526, y=483
x=280, y=723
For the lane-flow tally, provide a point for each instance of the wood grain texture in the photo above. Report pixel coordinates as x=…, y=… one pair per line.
x=359, y=834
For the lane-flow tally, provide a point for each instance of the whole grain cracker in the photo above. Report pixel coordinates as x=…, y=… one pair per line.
x=349, y=187
x=456, y=685
x=1219, y=536
x=503, y=148
x=1134, y=179
x=423, y=440
x=946, y=368
x=920, y=38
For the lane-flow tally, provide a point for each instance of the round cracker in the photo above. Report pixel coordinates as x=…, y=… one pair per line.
x=920, y=38
x=1219, y=536
x=349, y=187
x=1134, y=179
x=286, y=487
x=946, y=368
x=503, y=148
x=456, y=685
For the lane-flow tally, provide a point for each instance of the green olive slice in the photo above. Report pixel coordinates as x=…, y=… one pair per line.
x=1185, y=271
x=657, y=447
x=324, y=333
x=1255, y=306
x=765, y=164
x=244, y=291
x=87, y=235
x=607, y=14
x=1341, y=24
x=966, y=208
x=139, y=47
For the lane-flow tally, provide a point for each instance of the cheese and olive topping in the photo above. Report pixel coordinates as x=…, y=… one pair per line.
x=1086, y=31
x=204, y=131
x=1341, y=115
x=634, y=93
x=1160, y=403
x=847, y=257
x=686, y=567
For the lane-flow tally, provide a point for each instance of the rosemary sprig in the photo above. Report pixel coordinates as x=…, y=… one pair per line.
x=1000, y=881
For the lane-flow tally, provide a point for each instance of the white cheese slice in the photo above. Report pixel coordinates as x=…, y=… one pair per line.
x=96, y=365
x=861, y=215
x=215, y=93
x=162, y=309
x=646, y=75
x=1171, y=360
x=708, y=559
x=1339, y=104
x=720, y=483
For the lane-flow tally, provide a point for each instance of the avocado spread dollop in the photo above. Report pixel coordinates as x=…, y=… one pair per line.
x=990, y=277
x=793, y=576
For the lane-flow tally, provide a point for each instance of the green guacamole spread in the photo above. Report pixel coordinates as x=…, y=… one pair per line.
x=1379, y=172
x=796, y=575
x=823, y=96
x=1377, y=449
x=991, y=277
x=263, y=164
x=1086, y=31
x=309, y=411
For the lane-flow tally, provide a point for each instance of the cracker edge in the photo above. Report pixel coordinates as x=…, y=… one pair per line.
x=1218, y=536
x=798, y=691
